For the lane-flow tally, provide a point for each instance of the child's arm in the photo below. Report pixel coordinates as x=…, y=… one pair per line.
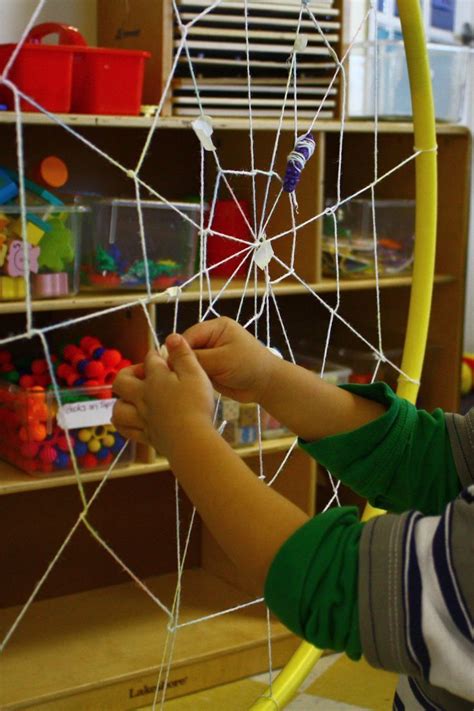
x=176, y=410
x=242, y=368
x=380, y=445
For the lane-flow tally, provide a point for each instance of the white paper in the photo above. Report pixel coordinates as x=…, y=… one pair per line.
x=263, y=255
x=90, y=413
x=203, y=128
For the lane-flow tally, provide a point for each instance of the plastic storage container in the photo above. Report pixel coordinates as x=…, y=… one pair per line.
x=41, y=71
x=333, y=373
x=73, y=77
x=32, y=429
x=114, y=258
x=54, y=239
x=395, y=221
x=362, y=364
x=449, y=71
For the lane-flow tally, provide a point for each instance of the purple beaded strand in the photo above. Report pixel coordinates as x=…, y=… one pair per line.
x=301, y=153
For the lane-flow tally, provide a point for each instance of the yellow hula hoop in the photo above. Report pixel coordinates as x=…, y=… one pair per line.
x=292, y=676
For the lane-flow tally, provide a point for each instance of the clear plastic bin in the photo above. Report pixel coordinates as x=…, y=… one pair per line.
x=449, y=71
x=32, y=429
x=362, y=364
x=333, y=373
x=113, y=257
x=54, y=241
x=395, y=221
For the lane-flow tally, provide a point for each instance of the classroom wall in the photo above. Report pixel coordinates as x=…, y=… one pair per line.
x=14, y=15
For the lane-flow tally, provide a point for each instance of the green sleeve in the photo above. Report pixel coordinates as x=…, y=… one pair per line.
x=401, y=461
x=312, y=582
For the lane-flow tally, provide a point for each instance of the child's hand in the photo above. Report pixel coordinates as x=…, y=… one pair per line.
x=170, y=397
x=238, y=365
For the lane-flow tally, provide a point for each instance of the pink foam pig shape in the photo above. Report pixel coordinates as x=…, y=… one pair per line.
x=16, y=259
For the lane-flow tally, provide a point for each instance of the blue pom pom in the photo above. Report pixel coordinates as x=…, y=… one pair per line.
x=80, y=448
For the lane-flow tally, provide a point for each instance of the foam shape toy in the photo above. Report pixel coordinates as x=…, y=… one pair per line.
x=57, y=247
x=12, y=288
x=35, y=229
x=8, y=187
x=3, y=249
x=16, y=259
x=52, y=172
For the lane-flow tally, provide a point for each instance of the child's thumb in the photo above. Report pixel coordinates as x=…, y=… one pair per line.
x=181, y=358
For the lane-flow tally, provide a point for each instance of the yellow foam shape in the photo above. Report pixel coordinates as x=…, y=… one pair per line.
x=33, y=232
x=12, y=287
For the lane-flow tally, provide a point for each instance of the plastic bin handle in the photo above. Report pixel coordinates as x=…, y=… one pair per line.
x=67, y=34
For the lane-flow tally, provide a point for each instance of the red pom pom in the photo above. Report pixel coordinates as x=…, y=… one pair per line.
x=64, y=370
x=29, y=449
x=43, y=380
x=5, y=357
x=124, y=363
x=89, y=461
x=110, y=376
x=70, y=351
x=94, y=370
x=39, y=366
x=48, y=454
x=111, y=358
x=27, y=381
x=89, y=344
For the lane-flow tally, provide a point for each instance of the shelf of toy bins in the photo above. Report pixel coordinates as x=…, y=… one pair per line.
x=115, y=258
x=53, y=233
x=353, y=255
x=39, y=430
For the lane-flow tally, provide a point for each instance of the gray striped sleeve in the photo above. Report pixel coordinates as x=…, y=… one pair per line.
x=461, y=435
x=416, y=599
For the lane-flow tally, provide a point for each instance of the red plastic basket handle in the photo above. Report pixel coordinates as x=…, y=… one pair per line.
x=67, y=34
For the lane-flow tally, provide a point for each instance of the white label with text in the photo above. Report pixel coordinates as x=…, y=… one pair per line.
x=86, y=414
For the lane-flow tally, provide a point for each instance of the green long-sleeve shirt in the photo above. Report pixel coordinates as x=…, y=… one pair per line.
x=401, y=461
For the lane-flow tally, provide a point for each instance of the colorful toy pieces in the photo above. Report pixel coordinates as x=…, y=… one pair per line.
x=43, y=244
x=30, y=435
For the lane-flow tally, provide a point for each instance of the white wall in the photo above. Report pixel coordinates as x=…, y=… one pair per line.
x=14, y=15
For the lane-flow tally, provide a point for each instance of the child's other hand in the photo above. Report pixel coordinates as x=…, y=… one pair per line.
x=238, y=365
x=170, y=397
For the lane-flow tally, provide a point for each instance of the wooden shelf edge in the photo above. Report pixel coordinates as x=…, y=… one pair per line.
x=92, y=301
x=14, y=481
x=108, y=652
x=223, y=123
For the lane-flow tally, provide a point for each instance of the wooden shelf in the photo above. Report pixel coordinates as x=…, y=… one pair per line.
x=32, y=118
x=14, y=481
x=112, y=639
x=105, y=301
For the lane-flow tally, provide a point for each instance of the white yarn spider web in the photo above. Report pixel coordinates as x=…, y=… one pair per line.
x=259, y=286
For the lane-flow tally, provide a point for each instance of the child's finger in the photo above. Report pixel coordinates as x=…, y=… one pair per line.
x=213, y=361
x=205, y=334
x=127, y=386
x=153, y=362
x=126, y=415
x=133, y=434
x=181, y=358
x=138, y=370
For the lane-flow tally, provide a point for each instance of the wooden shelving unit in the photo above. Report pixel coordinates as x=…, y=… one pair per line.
x=92, y=640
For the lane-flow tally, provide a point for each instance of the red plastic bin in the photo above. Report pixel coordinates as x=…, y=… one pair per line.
x=43, y=72
x=108, y=81
x=74, y=77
